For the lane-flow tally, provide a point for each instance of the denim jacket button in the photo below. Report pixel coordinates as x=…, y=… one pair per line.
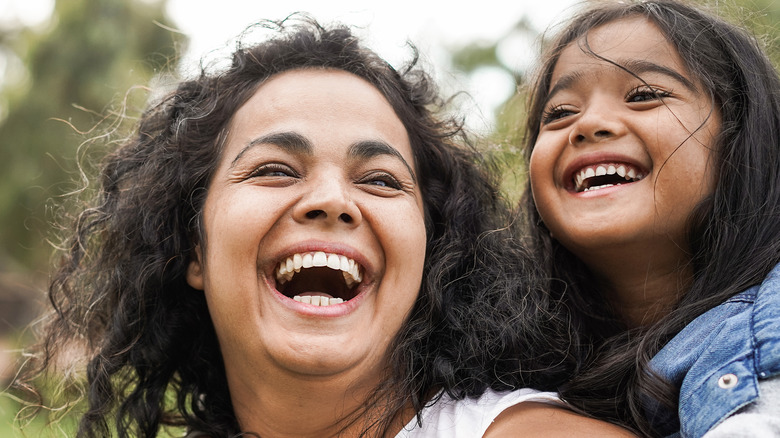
x=727, y=381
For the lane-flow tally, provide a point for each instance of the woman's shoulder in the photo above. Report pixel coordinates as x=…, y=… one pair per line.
x=546, y=420
x=470, y=417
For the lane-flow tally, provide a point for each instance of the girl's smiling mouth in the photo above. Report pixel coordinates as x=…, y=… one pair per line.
x=603, y=175
x=318, y=278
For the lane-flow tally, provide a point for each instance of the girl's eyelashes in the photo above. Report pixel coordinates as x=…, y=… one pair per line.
x=556, y=112
x=644, y=93
x=639, y=94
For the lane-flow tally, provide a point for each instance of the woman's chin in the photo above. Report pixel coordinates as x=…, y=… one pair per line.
x=324, y=360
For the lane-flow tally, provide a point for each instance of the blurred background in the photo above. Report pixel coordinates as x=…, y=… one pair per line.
x=68, y=68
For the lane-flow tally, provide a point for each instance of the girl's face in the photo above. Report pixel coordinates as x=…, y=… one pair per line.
x=315, y=239
x=620, y=162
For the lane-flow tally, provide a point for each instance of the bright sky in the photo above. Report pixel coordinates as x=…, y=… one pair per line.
x=432, y=26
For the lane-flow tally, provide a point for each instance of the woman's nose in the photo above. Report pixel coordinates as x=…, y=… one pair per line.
x=328, y=202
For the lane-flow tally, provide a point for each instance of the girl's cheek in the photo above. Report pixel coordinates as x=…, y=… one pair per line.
x=536, y=173
x=540, y=168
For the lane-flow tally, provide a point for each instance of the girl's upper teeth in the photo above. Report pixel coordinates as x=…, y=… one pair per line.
x=630, y=173
x=291, y=265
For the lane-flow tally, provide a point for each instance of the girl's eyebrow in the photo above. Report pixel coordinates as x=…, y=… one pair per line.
x=290, y=141
x=634, y=67
x=639, y=66
x=564, y=83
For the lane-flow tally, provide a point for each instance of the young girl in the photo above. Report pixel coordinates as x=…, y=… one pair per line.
x=654, y=148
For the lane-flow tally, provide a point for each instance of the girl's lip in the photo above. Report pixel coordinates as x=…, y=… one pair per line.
x=593, y=159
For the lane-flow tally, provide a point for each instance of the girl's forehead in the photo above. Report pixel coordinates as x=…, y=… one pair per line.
x=633, y=43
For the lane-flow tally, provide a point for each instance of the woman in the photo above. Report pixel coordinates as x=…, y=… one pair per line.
x=295, y=247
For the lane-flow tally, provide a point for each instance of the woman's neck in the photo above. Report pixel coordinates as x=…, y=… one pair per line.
x=292, y=406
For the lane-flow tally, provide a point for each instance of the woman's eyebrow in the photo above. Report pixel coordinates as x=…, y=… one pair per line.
x=371, y=148
x=290, y=141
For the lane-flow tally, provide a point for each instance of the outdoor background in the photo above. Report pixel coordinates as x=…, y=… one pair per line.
x=69, y=68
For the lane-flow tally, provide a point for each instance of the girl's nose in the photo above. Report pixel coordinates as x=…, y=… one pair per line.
x=597, y=122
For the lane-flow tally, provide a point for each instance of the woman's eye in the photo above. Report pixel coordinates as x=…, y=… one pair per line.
x=273, y=170
x=644, y=94
x=555, y=113
x=381, y=179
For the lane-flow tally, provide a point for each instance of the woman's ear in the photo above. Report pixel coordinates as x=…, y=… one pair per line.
x=195, y=269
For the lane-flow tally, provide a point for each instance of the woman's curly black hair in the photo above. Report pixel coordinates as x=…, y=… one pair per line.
x=120, y=293
x=734, y=234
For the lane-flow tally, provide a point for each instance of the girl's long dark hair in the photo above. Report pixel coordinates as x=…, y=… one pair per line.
x=121, y=302
x=734, y=234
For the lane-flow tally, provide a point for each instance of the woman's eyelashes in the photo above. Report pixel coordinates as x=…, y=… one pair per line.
x=273, y=170
x=282, y=173
x=381, y=179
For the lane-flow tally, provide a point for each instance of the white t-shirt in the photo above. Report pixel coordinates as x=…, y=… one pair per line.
x=470, y=418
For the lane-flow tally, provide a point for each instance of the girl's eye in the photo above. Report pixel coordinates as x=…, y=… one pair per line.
x=381, y=179
x=272, y=170
x=644, y=93
x=555, y=113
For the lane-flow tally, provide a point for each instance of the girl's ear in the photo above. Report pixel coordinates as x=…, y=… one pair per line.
x=195, y=269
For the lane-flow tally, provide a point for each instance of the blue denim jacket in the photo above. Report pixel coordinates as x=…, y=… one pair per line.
x=718, y=359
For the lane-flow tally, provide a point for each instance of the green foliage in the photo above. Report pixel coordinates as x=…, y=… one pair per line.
x=76, y=80
x=475, y=55
x=762, y=17
x=94, y=52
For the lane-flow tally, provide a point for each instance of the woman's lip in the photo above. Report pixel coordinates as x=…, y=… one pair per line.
x=331, y=311
x=593, y=159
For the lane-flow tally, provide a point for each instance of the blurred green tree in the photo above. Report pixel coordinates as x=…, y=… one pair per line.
x=513, y=53
x=76, y=72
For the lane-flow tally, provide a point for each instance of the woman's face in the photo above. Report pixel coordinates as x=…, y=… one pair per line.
x=314, y=234
x=621, y=162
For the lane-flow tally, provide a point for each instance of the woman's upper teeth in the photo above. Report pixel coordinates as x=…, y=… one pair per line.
x=626, y=171
x=293, y=264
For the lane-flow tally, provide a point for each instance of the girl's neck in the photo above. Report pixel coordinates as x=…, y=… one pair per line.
x=643, y=289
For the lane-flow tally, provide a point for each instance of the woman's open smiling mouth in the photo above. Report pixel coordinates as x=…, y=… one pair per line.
x=318, y=278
